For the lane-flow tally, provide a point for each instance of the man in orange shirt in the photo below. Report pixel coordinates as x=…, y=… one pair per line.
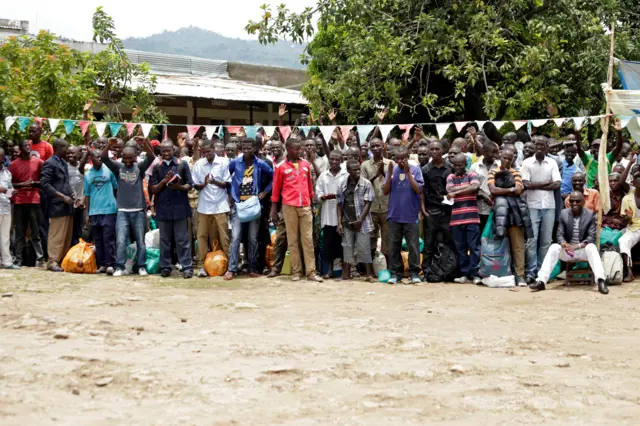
x=591, y=196
x=43, y=148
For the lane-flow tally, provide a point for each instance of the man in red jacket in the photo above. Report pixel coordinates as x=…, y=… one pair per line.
x=293, y=187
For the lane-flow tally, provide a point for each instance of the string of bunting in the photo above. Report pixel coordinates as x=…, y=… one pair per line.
x=363, y=130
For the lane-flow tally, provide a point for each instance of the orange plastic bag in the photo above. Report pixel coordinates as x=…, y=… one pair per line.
x=216, y=262
x=405, y=262
x=269, y=255
x=80, y=259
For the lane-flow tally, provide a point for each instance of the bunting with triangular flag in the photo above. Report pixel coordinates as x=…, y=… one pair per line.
x=624, y=120
x=385, y=129
x=406, y=128
x=8, y=122
x=192, y=130
x=251, y=131
x=165, y=132
x=285, y=131
x=53, y=124
x=345, y=131
x=114, y=128
x=38, y=120
x=209, y=131
x=539, y=123
x=480, y=125
x=498, y=124
x=146, y=129
x=68, y=126
x=306, y=130
x=559, y=121
x=101, y=127
x=130, y=127
x=442, y=128
x=268, y=130
x=23, y=123
x=364, y=130
x=577, y=121
x=519, y=123
x=84, y=126
x=460, y=125
x=327, y=131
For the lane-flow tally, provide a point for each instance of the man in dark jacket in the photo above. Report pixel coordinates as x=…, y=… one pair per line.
x=54, y=182
x=576, y=237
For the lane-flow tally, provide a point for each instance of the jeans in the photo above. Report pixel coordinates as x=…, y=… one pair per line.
x=27, y=216
x=252, y=247
x=125, y=222
x=537, y=247
x=103, y=229
x=467, y=240
x=411, y=233
x=178, y=229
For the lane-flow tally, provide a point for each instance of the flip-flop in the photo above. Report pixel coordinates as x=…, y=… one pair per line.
x=229, y=276
x=254, y=274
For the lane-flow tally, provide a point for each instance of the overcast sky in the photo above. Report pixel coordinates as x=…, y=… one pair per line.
x=140, y=18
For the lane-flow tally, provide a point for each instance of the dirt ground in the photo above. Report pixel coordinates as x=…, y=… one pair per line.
x=95, y=350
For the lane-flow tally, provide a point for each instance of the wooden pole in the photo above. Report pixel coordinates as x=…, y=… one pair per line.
x=602, y=155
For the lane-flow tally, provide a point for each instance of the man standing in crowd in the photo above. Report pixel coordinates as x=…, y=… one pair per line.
x=374, y=170
x=569, y=168
x=482, y=168
x=576, y=238
x=27, y=213
x=404, y=185
x=590, y=159
x=5, y=215
x=131, y=203
x=247, y=179
x=211, y=178
x=327, y=192
x=76, y=180
x=293, y=187
x=170, y=182
x=355, y=195
x=437, y=215
x=100, y=210
x=43, y=149
x=56, y=186
x=541, y=177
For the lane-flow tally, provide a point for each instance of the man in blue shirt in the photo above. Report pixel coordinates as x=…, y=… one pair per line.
x=170, y=182
x=568, y=169
x=247, y=180
x=100, y=211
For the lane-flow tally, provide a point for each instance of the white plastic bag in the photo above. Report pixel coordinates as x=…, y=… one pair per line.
x=152, y=239
x=379, y=263
x=499, y=282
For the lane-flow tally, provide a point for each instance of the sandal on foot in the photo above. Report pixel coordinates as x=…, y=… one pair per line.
x=229, y=276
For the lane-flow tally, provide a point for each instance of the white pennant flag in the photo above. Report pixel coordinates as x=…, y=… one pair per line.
x=559, y=121
x=538, y=123
x=519, y=123
x=101, y=127
x=53, y=123
x=210, y=131
x=146, y=129
x=8, y=122
x=460, y=125
x=577, y=121
x=624, y=120
x=268, y=130
x=480, y=124
x=595, y=118
x=498, y=124
x=442, y=128
x=326, y=131
x=385, y=129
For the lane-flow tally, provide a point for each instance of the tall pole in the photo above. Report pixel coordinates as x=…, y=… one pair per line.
x=602, y=154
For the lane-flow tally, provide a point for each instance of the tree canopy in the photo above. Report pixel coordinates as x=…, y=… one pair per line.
x=453, y=59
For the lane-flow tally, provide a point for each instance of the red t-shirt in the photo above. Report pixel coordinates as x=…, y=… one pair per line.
x=44, y=149
x=21, y=171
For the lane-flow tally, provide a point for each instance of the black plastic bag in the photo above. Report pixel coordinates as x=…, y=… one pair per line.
x=444, y=266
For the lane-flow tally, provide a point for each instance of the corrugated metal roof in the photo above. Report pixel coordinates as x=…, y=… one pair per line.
x=164, y=63
x=224, y=89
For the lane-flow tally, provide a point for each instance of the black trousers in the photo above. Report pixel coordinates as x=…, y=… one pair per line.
x=434, y=225
x=178, y=230
x=27, y=216
x=332, y=246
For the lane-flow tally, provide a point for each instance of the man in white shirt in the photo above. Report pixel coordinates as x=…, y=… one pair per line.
x=211, y=178
x=540, y=176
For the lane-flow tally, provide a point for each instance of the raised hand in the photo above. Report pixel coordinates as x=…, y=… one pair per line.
x=282, y=110
x=332, y=114
x=382, y=114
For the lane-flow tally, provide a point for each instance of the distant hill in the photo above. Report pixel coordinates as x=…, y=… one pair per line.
x=193, y=41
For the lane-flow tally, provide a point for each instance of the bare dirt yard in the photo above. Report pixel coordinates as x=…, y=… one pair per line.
x=87, y=350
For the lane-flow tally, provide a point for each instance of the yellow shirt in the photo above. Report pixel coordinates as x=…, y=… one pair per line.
x=629, y=202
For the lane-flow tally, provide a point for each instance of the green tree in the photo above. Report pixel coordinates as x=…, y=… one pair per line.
x=436, y=59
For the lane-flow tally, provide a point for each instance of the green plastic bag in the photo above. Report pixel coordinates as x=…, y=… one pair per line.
x=384, y=276
x=406, y=248
x=609, y=236
x=152, y=263
x=152, y=223
x=488, y=228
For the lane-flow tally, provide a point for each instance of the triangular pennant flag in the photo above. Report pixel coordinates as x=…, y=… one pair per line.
x=364, y=130
x=539, y=123
x=130, y=127
x=8, y=122
x=101, y=126
x=268, y=130
x=519, y=123
x=68, y=126
x=53, y=123
x=460, y=125
x=559, y=121
x=327, y=131
x=84, y=126
x=385, y=129
x=192, y=130
x=38, y=120
x=595, y=118
x=345, y=131
x=306, y=130
x=285, y=131
x=23, y=123
x=529, y=127
x=624, y=120
x=209, y=131
x=232, y=129
x=442, y=128
x=577, y=121
x=146, y=129
x=407, y=130
x=480, y=125
x=165, y=132
x=251, y=131
x=114, y=128
x=498, y=124
x=221, y=132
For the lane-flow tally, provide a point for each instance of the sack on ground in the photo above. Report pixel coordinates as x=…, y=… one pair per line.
x=132, y=258
x=379, y=263
x=499, y=282
x=152, y=263
x=216, y=262
x=495, y=258
x=152, y=239
x=80, y=259
x=612, y=264
x=269, y=255
x=444, y=265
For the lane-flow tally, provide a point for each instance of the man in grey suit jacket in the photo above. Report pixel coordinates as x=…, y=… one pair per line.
x=576, y=237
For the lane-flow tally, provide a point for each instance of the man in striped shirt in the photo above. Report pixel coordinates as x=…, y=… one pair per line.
x=462, y=188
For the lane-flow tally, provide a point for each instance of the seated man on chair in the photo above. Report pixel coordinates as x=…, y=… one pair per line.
x=576, y=237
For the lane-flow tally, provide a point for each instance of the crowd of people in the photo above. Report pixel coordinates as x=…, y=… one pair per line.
x=343, y=198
